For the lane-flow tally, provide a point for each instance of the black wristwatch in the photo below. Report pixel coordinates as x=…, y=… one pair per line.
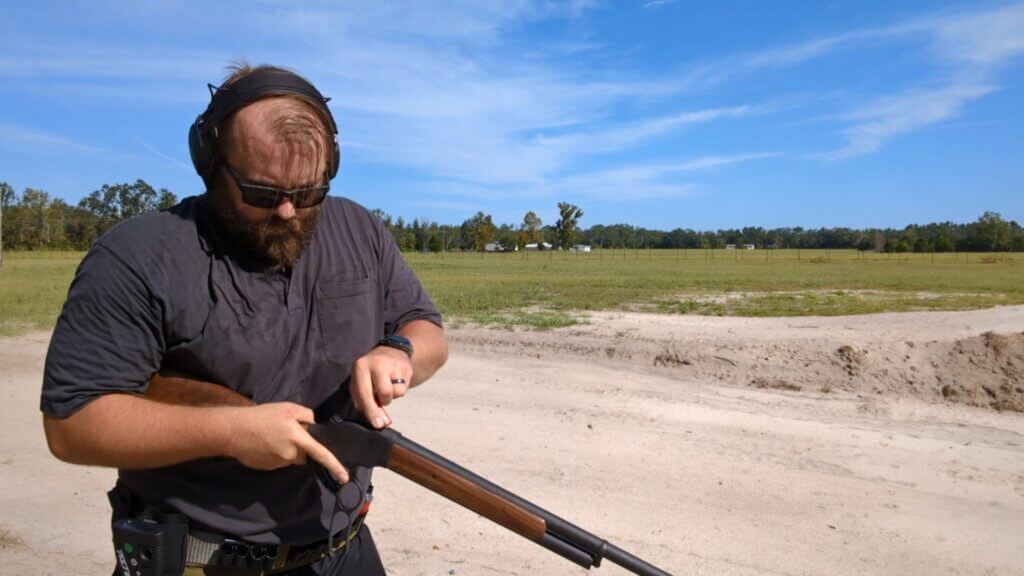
x=399, y=342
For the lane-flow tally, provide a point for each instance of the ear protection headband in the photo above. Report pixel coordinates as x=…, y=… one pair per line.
x=202, y=136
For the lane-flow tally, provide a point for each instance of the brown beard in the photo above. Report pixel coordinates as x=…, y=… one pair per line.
x=277, y=243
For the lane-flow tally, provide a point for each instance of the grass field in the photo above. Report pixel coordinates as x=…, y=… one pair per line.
x=549, y=289
x=33, y=286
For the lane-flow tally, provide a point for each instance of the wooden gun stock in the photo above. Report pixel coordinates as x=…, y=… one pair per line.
x=446, y=478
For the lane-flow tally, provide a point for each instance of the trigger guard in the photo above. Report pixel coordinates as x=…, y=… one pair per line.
x=326, y=479
x=350, y=494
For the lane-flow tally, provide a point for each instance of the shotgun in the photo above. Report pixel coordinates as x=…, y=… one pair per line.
x=357, y=445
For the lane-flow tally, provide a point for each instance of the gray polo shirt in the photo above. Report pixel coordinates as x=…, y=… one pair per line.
x=161, y=292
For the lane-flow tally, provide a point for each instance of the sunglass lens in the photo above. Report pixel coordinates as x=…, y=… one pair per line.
x=260, y=198
x=310, y=198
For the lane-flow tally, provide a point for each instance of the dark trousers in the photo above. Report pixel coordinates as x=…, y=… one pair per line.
x=361, y=560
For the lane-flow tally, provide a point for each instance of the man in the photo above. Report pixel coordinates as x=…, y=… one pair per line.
x=264, y=287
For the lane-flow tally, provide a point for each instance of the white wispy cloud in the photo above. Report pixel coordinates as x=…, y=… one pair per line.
x=648, y=181
x=443, y=87
x=483, y=123
x=428, y=85
x=483, y=112
x=621, y=137
x=630, y=182
x=904, y=113
x=971, y=46
x=985, y=39
x=33, y=58
x=12, y=135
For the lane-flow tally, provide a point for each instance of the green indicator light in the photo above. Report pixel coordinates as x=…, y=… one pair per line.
x=128, y=548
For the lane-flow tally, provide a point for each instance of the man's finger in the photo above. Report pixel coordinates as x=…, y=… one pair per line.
x=362, y=396
x=399, y=389
x=401, y=377
x=382, y=387
x=360, y=375
x=399, y=384
x=321, y=454
x=303, y=414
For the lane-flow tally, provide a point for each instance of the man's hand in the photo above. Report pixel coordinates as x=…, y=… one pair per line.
x=274, y=435
x=378, y=377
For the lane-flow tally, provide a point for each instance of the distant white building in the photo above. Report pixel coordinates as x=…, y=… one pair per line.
x=730, y=246
x=580, y=248
x=748, y=246
x=541, y=246
x=498, y=247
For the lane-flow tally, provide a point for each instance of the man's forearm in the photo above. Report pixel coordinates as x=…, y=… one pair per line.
x=430, y=348
x=124, y=431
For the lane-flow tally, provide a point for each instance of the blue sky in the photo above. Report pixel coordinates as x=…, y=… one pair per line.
x=656, y=113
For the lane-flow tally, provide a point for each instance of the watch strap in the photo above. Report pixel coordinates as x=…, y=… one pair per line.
x=398, y=342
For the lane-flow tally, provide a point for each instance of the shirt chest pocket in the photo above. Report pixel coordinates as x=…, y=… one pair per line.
x=350, y=318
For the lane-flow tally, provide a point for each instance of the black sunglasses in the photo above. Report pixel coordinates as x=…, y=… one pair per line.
x=259, y=196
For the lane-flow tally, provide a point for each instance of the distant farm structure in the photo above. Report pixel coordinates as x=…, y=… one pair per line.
x=499, y=247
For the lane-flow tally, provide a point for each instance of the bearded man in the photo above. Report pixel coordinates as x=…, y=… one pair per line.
x=264, y=285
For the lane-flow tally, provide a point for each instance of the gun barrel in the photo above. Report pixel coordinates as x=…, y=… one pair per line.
x=552, y=532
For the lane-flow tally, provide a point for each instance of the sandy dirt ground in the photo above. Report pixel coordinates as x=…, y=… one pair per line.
x=721, y=446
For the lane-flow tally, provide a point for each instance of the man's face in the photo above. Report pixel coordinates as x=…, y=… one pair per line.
x=276, y=236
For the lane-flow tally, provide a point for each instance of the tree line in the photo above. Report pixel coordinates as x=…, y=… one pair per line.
x=990, y=233
x=479, y=230
x=33, y=220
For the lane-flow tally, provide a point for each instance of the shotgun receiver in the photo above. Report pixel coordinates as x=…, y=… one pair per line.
x=356, y=445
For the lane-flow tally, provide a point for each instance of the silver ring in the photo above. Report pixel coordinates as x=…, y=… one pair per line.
x=398, y=380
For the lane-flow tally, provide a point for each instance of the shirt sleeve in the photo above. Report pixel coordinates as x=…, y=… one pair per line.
x=405, y=299
x=108, y=338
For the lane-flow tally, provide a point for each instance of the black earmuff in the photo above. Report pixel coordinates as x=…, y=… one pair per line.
x=225, y=99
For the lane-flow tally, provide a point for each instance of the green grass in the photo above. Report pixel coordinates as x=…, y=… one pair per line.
x=822, y=303
x=534, y=320
x=549, y=290
x=740, y=283
x=33, y=287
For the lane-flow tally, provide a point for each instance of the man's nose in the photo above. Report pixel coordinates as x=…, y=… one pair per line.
x=285, y=210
